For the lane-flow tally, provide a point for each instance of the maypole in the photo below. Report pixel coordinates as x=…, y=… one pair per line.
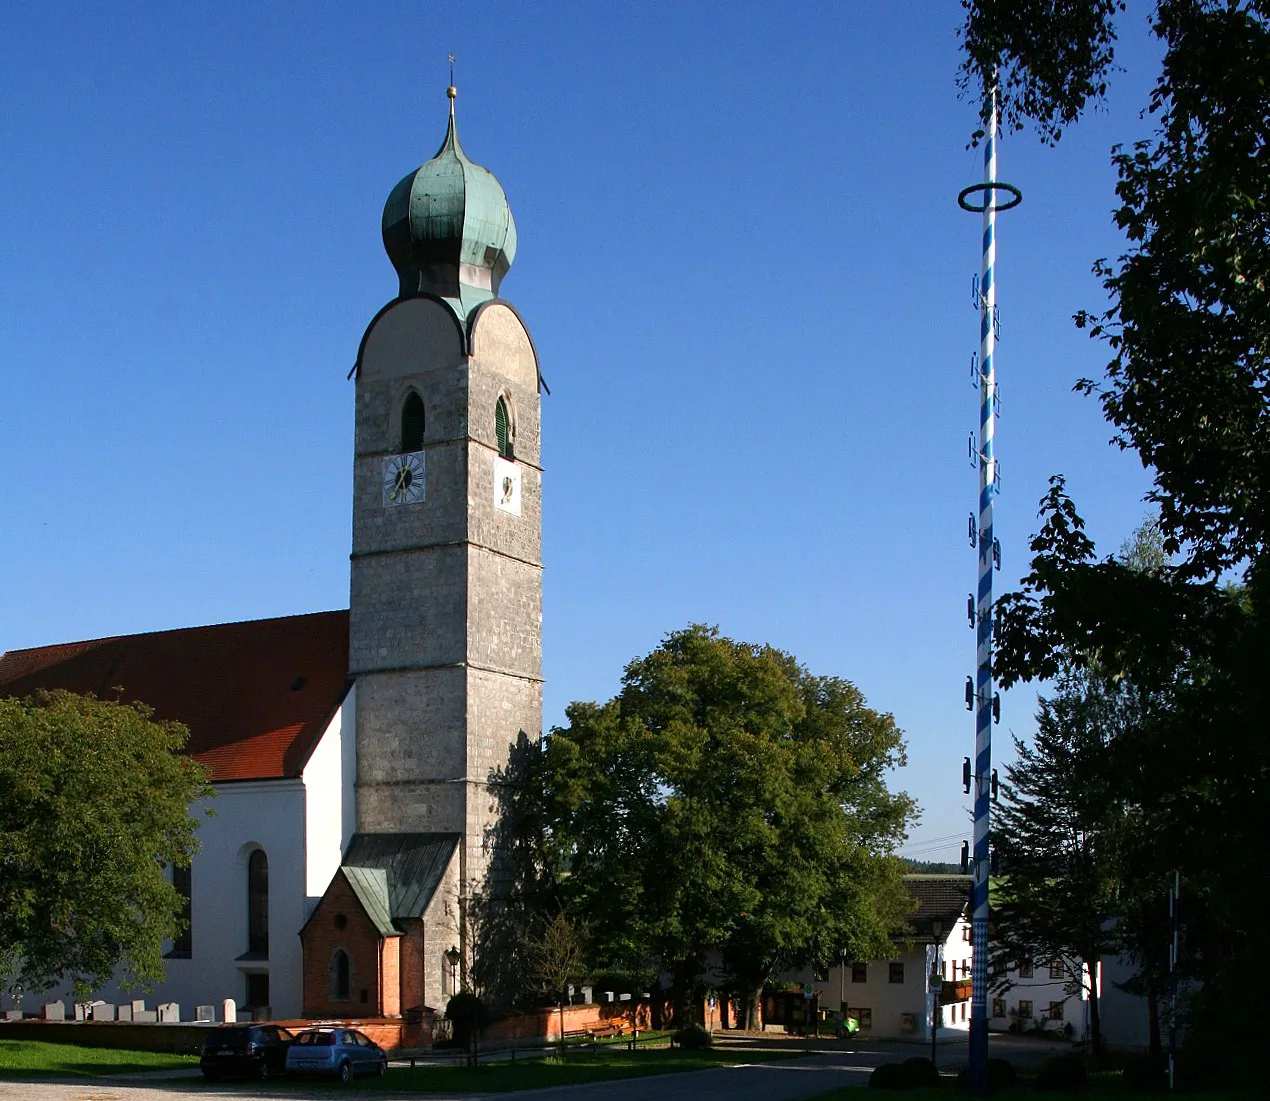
x=982, y=698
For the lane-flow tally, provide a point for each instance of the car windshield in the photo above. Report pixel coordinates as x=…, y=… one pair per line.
x=317, y=1039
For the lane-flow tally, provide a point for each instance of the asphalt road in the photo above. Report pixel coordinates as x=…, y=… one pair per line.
x=837, y=1065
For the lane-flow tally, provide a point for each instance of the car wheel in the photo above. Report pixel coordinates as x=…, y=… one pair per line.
x=263, y=1071
x=346, y=1073
x=383, y=1067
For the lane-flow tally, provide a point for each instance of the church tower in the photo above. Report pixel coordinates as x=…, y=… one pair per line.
x=445, y=617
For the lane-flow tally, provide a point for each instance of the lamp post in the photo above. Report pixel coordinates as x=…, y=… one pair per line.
x=452, y=959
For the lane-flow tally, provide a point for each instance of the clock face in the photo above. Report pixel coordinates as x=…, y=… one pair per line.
x=404, y=481
x=506, y=486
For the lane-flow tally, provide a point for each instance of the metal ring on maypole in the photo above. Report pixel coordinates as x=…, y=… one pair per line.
x=1016, y=197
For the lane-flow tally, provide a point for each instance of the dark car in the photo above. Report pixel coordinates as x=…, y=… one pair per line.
x=335, y=1052
x=245, y=1051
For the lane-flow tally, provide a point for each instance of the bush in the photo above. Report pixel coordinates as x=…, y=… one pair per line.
x=1144, y=1073
x=1001, y=1076
x=889, y=1076
x=1063, y=1072
x=693, y=1038
x=918, y=1073
x=467, y=1015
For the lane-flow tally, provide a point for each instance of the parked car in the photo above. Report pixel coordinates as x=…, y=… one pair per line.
x=254, y=1051
x=336, y=1052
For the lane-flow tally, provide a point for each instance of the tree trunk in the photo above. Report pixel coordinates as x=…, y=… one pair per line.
x=1095, y=1022
x=562, y=1029
x=725, y=1010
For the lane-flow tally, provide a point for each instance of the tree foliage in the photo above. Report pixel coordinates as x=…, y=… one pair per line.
x=1187, y=388
x=728, y=803
x=95, y=803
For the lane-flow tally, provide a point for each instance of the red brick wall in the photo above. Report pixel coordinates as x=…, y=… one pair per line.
x=412, y=966
x=545, y=1023
x=361, y=940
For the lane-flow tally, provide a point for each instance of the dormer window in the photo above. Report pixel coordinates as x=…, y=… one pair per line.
x=412, y=424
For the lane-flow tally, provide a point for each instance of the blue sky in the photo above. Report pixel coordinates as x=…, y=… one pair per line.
x=741, y=259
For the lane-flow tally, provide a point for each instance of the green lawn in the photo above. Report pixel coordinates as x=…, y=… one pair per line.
x=22, y=1057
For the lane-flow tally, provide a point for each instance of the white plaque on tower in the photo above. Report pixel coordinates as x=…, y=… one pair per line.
x=506, y=486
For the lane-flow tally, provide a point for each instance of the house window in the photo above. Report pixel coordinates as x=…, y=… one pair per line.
x=339, y=974
x=1025, y=1009
x=998, y=1007
x=859, y=972
x=258, y=903
x=504, y=432
x=1056, y=969
x=1025, y=969
x=896, y=972
x=965, y=934
x=182, y=883
x=412, y=423
x=1056, y=1011
x=963, y=1011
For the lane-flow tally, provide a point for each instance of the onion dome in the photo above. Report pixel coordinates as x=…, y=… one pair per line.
x=448, y=229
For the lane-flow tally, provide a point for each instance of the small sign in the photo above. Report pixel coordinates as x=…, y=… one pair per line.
x=506, y=486
x=809, y=991
x=936, y=981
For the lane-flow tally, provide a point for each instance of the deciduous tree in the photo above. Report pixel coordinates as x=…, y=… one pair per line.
x=94, y=802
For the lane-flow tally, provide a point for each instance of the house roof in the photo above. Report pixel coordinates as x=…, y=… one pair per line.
x=256, y=696
x=370, y=885
x=413, y=863
x=942, y=898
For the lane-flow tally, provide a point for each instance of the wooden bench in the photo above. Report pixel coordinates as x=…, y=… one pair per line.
x=604, y=1032
x=578, y=1034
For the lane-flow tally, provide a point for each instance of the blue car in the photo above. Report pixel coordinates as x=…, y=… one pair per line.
x=335, y=1052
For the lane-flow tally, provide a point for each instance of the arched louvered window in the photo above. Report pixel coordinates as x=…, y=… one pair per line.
x=339, y=974
x=503, y=431
x=412, y=424
x=258, y=903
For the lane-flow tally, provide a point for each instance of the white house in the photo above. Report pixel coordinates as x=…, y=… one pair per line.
x=892, y=998
x=271, y=714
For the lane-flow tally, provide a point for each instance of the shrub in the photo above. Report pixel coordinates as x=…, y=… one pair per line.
x=467, y=1016
x=918, y=1073
x=889, y=1076
x=693, y=1038
x=1144, y=1073
x=1063, y=1072
x=1001, y=1076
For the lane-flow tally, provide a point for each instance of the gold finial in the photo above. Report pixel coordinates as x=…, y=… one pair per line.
x=451, y=91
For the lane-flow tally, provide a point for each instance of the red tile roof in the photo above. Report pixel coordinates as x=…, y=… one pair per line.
x=256, y=696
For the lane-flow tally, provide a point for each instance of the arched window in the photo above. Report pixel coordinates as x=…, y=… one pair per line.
x=258, y=902
x=339, y=974
x=504, y=432
x=412, y=424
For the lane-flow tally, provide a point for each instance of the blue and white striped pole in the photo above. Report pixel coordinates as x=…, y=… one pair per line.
x=977, y=1078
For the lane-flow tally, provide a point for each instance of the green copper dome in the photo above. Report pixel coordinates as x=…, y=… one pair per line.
x=448, y=229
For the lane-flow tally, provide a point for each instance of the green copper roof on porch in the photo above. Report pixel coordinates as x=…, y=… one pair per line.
x=447, y=227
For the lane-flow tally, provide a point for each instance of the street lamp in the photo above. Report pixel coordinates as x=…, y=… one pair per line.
x=452, y=958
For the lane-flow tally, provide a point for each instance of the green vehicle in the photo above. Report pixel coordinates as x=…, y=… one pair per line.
x=834, y=1022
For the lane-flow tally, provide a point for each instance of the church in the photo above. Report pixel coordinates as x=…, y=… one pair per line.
x=354, y=753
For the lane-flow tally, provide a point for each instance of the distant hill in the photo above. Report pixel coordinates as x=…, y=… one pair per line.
x=930, y=867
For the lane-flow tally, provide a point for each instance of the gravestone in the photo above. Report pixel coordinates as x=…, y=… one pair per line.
x=623, y=997
x=54, y=1011
x=170, y=1013
x=102, y=1011
x=149, y=1016
x=229, y=1011
x=205, y=1013
x=138, y=1006
x=81, y=1011
x=607, y=997
x=123, y=1013
x=13, y=1014
x=586, y=995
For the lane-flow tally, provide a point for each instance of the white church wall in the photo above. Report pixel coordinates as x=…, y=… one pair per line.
x=329, y=811
x=266, y=814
